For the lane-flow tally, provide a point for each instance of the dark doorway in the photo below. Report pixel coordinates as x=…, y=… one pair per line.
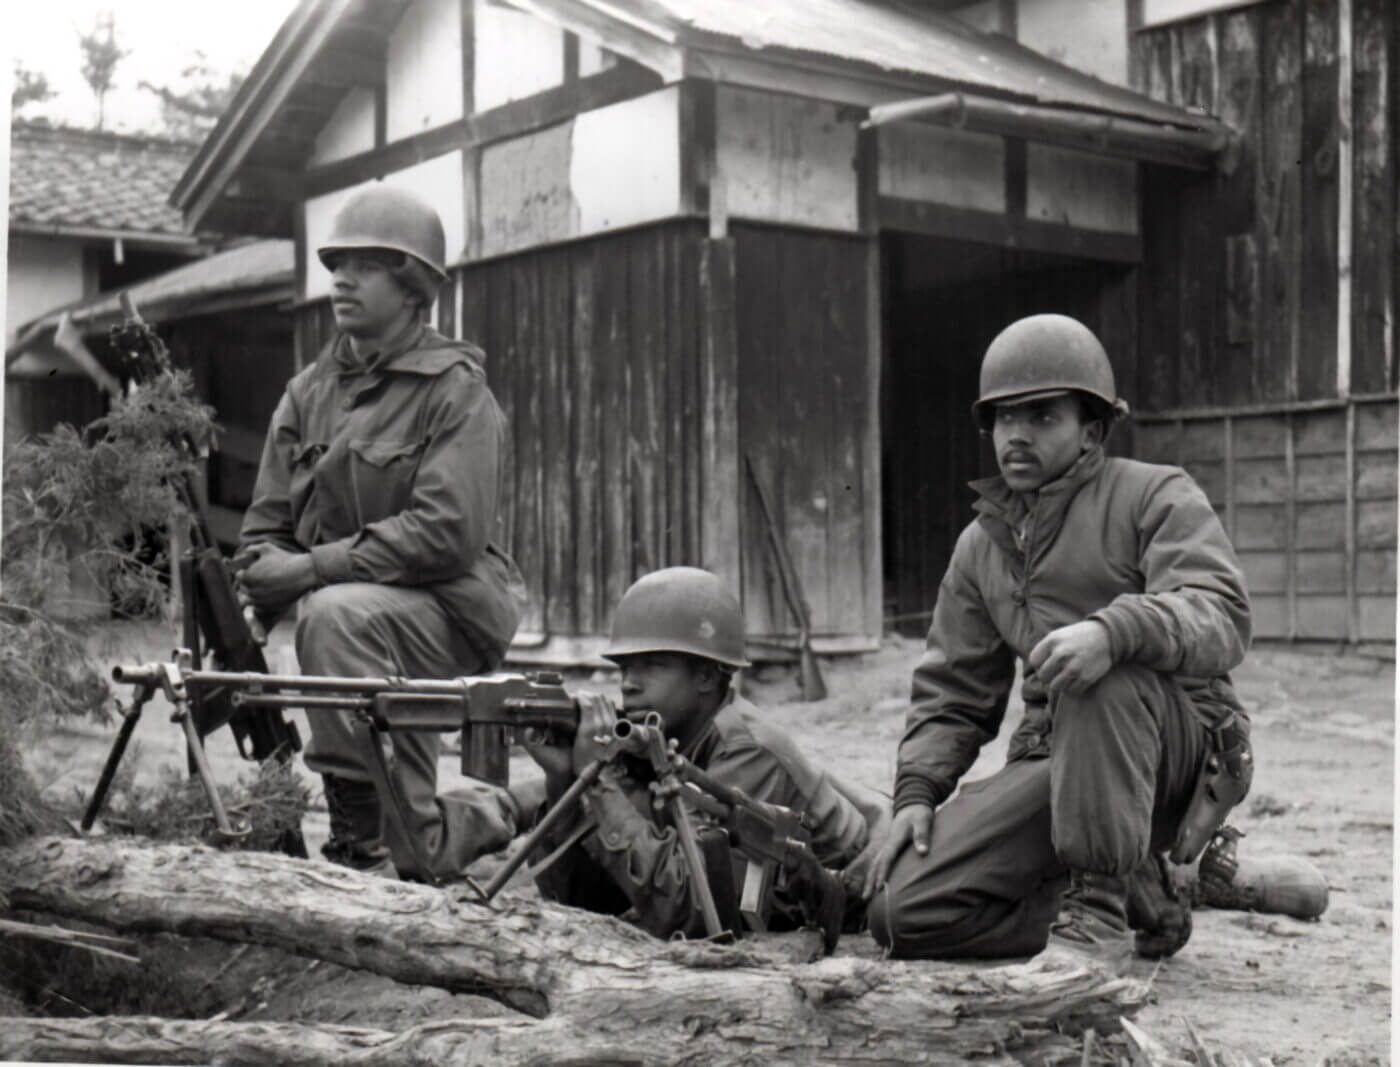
x=944, y=302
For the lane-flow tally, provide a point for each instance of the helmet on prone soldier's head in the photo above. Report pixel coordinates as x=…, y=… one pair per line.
x=386, y=217
x=1042, y=356
x=679, y=609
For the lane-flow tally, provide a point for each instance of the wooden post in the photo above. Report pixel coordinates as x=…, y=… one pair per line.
x=1290, y=535
x=872, y=516
x=1345, y=180
x=1353, y=600
x=1229, y=424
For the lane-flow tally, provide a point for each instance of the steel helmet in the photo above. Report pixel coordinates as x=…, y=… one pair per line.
x=679, y=609
x=383, y=216
x=1045, y=355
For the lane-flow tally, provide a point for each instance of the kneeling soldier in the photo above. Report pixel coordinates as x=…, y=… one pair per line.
x=1116, y=586
x=678, y=637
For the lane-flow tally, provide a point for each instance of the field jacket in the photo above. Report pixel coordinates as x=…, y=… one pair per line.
x=390, y=472
x=634, y=859
x=1133, y=545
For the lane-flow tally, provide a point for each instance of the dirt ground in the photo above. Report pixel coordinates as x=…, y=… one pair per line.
x=1265, y=986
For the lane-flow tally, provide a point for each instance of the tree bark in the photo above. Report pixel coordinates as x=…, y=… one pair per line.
x=591, y=988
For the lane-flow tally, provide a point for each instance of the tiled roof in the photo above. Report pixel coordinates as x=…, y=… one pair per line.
x=67, y=178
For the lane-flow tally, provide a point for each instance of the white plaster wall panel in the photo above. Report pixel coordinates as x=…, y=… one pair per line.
x=437, y=180
x=785, y=159
x=424, y=69
x=516, y=54
x=1081, y=189
x=525, y=195
x=349, y=131
x=934, y=164
x=594, y=59
x=625, y=162
x=44, y=273
x=1090, y=35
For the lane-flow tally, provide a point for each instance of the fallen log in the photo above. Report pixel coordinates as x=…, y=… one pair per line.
x=590, y=988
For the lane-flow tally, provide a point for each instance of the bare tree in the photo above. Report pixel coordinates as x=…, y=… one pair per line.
x=191, y=106
x=101, y=54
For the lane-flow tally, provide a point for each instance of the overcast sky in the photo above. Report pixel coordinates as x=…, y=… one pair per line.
x=162, y=36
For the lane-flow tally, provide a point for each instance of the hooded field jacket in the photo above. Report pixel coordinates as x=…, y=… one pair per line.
x=390, y=472
x=1133, y=545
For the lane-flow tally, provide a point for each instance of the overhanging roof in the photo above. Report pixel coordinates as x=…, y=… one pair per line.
x=254, y=274
x=246, y=177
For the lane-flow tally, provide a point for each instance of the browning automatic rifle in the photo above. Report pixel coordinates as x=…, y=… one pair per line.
x=488, y=709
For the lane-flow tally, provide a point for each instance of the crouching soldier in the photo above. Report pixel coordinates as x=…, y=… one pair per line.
x=1116, y=586
x=374, y=513
x=678, y=638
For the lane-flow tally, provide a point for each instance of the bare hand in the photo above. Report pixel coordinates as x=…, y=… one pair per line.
x=1073, y=658
x=879, y=821
x=597, y=718
x=913, y=823
x=271, y=577
x=562, y=762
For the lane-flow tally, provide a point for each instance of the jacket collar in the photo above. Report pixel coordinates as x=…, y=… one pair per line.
x=418, y=350
x=1003, y=512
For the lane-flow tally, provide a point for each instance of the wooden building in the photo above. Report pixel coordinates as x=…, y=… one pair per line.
x=703, y=239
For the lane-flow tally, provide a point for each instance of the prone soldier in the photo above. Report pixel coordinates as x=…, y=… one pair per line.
x=678, y=638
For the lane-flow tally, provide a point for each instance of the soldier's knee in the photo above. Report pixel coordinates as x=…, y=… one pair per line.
x=1126, y=685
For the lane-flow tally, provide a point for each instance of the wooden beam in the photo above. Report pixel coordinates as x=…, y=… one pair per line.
x=985, y=227
x=1345, y=179
x=475, y=131
x=1277, y=407
x=697, y=145
x=468, y=43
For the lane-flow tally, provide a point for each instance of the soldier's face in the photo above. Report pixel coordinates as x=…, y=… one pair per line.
x=1038, y=440
x=367, y=300
x=668, y=683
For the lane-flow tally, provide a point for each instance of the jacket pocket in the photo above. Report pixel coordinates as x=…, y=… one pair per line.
x=382, y=474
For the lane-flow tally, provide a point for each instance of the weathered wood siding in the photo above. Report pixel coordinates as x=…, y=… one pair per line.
x=1268, y=297
x=1309, y=498
x=806, y=409
x=1244, y=269
x=596, y=353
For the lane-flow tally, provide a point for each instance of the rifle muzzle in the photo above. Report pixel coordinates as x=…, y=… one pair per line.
x=138, y=673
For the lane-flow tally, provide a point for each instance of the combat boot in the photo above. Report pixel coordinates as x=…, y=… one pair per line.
x=1159, y=916
x=1091, y=929
x=1278, y=885
x=355, y=839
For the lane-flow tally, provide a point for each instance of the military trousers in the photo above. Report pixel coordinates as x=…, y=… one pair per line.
x=1121, y=766
x=360, y=629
